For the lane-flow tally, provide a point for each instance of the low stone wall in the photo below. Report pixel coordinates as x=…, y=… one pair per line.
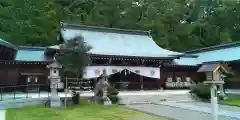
x=134, y=99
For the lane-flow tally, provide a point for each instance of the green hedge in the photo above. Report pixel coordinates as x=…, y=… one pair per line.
x=112, y=94
x=201, y=90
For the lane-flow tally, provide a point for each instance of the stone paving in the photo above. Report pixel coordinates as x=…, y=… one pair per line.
x=175, y=112
x=178, y=106
x=2, y=114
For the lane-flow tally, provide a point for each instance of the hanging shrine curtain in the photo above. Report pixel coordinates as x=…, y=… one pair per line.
x=96, y=71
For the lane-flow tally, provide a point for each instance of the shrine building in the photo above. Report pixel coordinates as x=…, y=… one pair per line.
x=131, y=58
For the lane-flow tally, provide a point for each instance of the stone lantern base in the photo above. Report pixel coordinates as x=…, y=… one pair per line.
x=55, y=100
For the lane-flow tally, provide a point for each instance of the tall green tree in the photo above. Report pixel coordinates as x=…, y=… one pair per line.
x=73, y=55
x=162, y=17
x=175, y=24
x=29, y=22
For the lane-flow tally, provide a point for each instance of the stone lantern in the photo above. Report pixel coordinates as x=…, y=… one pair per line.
x=55, y=81
x=214, y=73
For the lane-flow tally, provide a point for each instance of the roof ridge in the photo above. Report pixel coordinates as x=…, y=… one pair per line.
x=105, y=29
x=216, y=47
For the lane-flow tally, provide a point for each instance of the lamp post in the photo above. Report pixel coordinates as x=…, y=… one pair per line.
x=214, y=101
x=213, y=72
x=55, y=79
x=214, y=98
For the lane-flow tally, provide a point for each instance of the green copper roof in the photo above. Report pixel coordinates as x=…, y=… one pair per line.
x=225, y=53
x=110, y=41
x=33, y=54
x=7, y=44
x=187, y=61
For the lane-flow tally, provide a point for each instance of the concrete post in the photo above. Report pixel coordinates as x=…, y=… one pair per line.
x=214, y=102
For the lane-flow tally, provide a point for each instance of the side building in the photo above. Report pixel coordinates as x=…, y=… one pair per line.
x=226, y=54
x=22, y=66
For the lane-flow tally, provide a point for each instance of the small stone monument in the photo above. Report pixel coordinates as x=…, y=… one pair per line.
x=214, y=72
x=102, y=85
x=55, y=79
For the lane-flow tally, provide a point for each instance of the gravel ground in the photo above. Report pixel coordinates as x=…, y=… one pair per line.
x=178, y=106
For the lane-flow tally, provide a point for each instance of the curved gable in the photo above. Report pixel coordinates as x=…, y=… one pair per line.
x=117, y=42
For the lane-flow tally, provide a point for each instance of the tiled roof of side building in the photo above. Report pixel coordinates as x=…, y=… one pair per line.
x=225, y=52
x=32, y=54
x=116, y=42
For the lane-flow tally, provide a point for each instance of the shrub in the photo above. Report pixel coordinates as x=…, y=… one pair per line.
x=75, y=97
x=114, y=99
x=201, y=90
x=112, y=94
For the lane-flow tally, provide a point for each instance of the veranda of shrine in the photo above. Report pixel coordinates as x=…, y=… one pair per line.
x=132, y=59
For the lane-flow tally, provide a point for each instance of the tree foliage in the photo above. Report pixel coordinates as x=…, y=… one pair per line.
x=175, y=24
x=73, y=55
x=29, y=22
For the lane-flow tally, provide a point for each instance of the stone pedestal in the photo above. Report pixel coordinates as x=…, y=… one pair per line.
x=222, y=93
x=55, y=100
x=107, y=101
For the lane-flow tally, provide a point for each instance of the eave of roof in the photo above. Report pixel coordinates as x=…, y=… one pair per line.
x=182, y=66
x=31, y=48
x=133, y=57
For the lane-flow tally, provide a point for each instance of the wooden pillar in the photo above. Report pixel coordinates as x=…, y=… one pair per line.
x=121, y=79
x=66, y=83
x=159, y=80
x=94, y=82
x=141, y=77
x=174, y=78
x=141, y=80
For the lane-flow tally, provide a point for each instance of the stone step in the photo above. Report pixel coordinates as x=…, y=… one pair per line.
x=154, y=99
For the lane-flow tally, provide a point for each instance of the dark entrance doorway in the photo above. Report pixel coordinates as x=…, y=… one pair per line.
x=125, y=80
x=33, y=82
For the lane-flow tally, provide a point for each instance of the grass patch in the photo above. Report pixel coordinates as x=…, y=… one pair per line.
x=233, y=100
x=84, y=111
